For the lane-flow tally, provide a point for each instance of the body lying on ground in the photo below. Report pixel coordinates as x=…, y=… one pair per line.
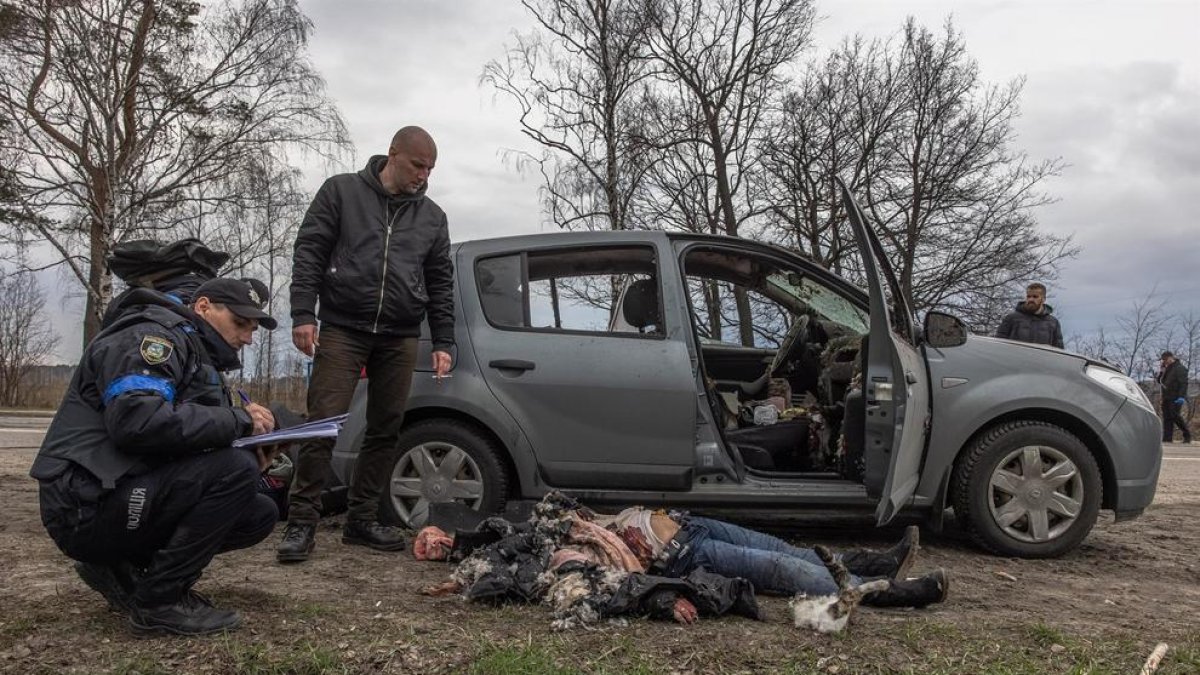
x=589, y=566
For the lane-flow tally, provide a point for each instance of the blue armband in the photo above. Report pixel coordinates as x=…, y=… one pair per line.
x=127, y=383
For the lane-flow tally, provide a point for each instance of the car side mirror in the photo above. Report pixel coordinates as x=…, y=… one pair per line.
x=944, y=330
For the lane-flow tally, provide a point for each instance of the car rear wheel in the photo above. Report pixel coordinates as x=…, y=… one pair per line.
x=1027, y=489
x=443, y=460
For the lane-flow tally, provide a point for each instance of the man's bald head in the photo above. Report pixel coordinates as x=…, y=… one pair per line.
x=413, y=138
x=411, y=157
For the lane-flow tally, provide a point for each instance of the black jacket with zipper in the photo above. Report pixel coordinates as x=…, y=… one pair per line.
x=1174, y=381
x=376, y=262
x=129, y=409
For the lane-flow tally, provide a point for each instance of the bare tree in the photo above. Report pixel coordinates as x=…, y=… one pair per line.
x=832, y=125
x=723, y=61
x=575, y=80
x=122, y=110
x=1140, y=327
x=26, y=338
x=258, y=229
x=951, y=198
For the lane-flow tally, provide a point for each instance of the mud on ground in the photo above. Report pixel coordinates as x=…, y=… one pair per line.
x=1101, y=609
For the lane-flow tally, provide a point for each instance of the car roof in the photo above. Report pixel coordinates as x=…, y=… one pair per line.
x=572, y=238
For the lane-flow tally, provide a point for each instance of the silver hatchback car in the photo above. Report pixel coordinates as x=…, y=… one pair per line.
x=652, y=368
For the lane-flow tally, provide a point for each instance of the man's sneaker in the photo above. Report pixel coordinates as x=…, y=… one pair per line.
x=193, y=614
x=371, y=533
x=107, y=581
x=298, y=542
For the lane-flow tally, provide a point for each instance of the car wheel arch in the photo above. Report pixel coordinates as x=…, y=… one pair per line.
x=1077, y=427
x=414, y=416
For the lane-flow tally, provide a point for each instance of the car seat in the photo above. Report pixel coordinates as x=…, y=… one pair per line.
x=640, y=306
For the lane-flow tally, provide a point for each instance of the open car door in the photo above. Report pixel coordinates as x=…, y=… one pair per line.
x=895, y=380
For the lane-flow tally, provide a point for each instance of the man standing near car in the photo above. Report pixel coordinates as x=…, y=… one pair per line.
x=1173, y=376
x=1033, y=320
x=138, y=481
x=374, y=253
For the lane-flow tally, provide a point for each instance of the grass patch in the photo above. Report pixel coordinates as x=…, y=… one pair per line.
x=303, y=658
x=509, y=660
x=311, y=610
x=140, y=665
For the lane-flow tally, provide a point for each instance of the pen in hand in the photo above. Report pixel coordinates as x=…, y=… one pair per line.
x=244, y=396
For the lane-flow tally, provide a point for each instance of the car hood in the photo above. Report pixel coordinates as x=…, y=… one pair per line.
x=1043, y=348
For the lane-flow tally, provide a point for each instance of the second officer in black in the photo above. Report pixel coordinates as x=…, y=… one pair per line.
x=138, y=480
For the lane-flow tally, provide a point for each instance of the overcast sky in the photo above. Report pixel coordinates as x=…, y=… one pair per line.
x=1112, y=87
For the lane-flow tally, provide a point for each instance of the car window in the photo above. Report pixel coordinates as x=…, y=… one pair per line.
x=769, y=320
x=828, y=304
x=592, y=290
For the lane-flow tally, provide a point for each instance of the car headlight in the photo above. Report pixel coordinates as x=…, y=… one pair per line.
x=1120, y=383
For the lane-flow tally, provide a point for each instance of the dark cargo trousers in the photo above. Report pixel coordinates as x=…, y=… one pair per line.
x=170, y=521
x=339, y=360
x=1172, y=416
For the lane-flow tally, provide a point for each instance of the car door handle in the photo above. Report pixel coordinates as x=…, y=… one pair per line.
x=512, y=364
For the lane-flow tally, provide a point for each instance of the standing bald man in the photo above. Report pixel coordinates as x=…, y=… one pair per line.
x=371, y=261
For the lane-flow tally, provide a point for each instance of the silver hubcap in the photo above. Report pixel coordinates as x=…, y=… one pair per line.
x=434, y=472
x=1036, y=494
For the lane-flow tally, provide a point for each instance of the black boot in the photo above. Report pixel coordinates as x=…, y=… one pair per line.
x=371, y=533
x=893, y=563
x=193, y=614
x=298, y=542
x=918, y=592
x=110, y=582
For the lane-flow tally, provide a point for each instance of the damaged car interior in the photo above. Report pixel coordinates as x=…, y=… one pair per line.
x=792, y=402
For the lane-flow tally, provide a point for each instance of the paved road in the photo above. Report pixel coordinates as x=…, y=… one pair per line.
x=25, y=431
x=21, y=431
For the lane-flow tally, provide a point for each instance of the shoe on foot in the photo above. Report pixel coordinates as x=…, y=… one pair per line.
x=373, y=534
x=106, y=580
x=192, y=614
x=917, y=592
x=298, y=541
x=893, y=563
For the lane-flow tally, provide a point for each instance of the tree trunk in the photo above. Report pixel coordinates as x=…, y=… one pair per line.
x=99, y=286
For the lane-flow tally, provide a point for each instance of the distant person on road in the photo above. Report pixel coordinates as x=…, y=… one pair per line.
x=1173, y=376
x=374, y=253
x=138, y=481
x=1033, y=320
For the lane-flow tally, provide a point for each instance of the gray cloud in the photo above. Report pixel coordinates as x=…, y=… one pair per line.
x=1127, y=134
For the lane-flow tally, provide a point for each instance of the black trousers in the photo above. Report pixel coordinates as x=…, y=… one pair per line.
x=170, y=521
x=1172, y=417
x=343, y=354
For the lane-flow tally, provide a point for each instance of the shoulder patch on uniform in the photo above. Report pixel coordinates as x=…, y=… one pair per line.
x=156, y=350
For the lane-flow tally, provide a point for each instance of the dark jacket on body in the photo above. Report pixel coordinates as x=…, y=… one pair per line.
x=1174, y=381
x=1025, y=326
x=377, y=262
x=148, y=389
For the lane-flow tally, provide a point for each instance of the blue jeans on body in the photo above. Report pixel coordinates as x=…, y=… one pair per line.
x=771, y=564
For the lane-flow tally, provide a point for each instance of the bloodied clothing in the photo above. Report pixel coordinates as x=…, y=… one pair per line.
x=136, y=466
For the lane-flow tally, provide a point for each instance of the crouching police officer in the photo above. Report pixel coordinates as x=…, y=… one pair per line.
x=138, y=482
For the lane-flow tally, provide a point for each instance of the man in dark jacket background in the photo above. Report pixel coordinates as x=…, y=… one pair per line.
x=138, y=481
x=1173, y=376
x=1033, y=320
x=371, y=261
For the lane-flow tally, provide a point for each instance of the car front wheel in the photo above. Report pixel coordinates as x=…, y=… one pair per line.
x=443, y=460
x=1027, y=489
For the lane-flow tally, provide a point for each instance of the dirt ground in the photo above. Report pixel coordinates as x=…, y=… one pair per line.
x=1101, y=609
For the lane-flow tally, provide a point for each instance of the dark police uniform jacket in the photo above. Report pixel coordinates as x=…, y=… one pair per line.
x=147, y=390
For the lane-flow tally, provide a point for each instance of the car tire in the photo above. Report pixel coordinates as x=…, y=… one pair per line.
x=1027, y=489
x=442, y=460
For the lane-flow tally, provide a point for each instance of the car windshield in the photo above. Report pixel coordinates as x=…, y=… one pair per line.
x=825, y=302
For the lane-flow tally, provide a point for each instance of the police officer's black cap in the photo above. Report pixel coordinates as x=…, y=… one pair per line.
x=244, y=297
